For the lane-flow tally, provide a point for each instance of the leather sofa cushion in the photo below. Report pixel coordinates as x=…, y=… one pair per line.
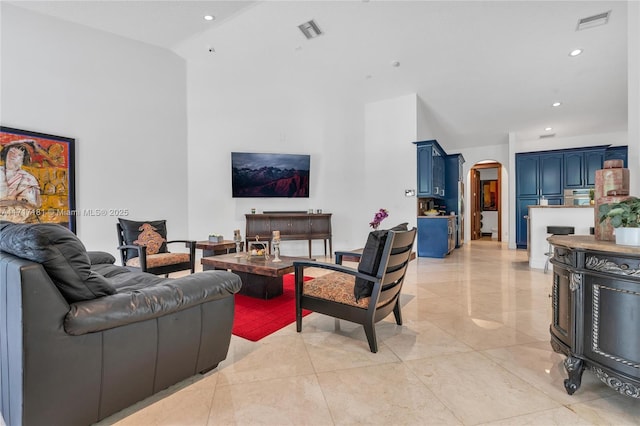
x=61, y=253
x=370, y=260
x=152, y=234
x=142, y=296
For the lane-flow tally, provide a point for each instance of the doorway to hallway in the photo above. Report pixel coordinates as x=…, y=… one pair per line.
x=486, y=201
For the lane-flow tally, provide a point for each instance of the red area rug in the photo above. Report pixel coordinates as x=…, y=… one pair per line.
x=256, y=318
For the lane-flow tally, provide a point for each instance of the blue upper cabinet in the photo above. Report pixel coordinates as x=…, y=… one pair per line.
x=527, y=175
x=580, y=167
x=550, y=177
x=424, y=165
x=431, y=169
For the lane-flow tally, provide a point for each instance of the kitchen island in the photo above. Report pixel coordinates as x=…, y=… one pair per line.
x=580, y=217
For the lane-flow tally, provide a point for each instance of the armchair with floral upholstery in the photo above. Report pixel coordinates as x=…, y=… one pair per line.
x=143, y=246
x=364, y=295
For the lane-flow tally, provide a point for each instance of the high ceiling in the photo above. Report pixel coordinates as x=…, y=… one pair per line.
x=481, y=69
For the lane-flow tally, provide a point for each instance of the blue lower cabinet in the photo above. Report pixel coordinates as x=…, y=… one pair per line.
x=436, y=236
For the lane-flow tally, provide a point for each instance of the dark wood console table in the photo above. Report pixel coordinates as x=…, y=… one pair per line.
x=596, y=311
x=292, y=226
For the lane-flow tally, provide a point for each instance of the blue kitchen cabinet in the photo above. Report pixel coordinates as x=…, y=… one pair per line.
x=551, y=175
x=436, y=236
x=431, y=169
x=522, y=222
x=454, y=198
x=537, y=175
x=580, y=167
x=527, y=175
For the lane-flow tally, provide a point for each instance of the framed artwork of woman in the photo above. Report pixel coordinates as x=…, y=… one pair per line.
x=37, y=178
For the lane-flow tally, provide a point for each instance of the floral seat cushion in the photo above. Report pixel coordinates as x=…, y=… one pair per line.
x=335, y=286
x=160, y=259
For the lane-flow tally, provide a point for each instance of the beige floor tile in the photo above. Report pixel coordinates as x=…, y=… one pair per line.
x=534, y=323
x=482, y=333
x=421, y=339
x=331, y=351
x=284, y=401
x=539, y=366
x=555, y=417
x=388, y=394
x=618, y=410
x=279, y=356
x=478, y=390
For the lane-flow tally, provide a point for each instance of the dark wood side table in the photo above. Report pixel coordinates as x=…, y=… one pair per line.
x=214, y=249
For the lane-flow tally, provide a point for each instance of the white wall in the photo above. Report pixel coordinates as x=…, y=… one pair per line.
x=633, y=43
x=122, y=101
x=390, y=159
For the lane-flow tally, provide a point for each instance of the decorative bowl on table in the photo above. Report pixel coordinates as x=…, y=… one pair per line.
x=431, y=213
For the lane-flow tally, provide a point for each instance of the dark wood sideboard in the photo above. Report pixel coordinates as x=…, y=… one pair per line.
x=596, y=309
x=292, y=226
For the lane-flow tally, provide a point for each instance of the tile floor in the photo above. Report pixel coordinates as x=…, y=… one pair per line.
x=474, y=349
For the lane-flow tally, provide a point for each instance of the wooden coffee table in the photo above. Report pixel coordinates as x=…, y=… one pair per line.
x=260, y=278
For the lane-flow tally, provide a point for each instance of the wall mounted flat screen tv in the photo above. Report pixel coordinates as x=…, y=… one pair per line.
x=269, y=175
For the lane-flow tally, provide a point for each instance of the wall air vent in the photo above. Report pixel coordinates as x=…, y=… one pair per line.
x=593, y=21
x=310, y=29
x=550, y=135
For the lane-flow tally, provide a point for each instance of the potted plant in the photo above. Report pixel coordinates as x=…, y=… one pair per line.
x=624, y=216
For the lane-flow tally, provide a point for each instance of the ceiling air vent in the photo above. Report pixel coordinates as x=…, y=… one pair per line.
x=593, y=21
x=310, y=29
x=550, y=135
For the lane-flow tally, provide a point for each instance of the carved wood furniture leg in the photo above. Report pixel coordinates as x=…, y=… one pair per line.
x=574, y=367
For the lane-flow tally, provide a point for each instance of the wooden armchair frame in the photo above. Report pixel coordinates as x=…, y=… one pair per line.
x=385, y=297
x=142, y=254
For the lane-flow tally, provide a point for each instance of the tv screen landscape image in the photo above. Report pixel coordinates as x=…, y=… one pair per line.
x=270, y=175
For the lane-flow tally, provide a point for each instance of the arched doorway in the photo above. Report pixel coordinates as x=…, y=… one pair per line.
x=486, y=201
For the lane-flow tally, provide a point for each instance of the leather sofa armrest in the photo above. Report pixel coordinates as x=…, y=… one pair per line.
x=100, y=257
x=151, y=302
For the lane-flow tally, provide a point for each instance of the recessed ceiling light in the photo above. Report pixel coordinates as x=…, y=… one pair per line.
x=395, y=64
x=546, y=129
x=556, y=104
x=209, y=17
x=575, y=52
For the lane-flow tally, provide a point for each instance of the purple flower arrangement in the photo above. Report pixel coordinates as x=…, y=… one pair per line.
x=378, y=218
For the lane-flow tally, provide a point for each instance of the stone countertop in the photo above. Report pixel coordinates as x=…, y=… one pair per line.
x=562, y=207
x=437, y=217
x=589, y=242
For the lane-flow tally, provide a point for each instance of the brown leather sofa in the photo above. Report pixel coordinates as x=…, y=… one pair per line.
x=82, y=338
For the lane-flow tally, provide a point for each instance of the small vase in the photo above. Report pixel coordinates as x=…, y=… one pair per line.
x=627, y=236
